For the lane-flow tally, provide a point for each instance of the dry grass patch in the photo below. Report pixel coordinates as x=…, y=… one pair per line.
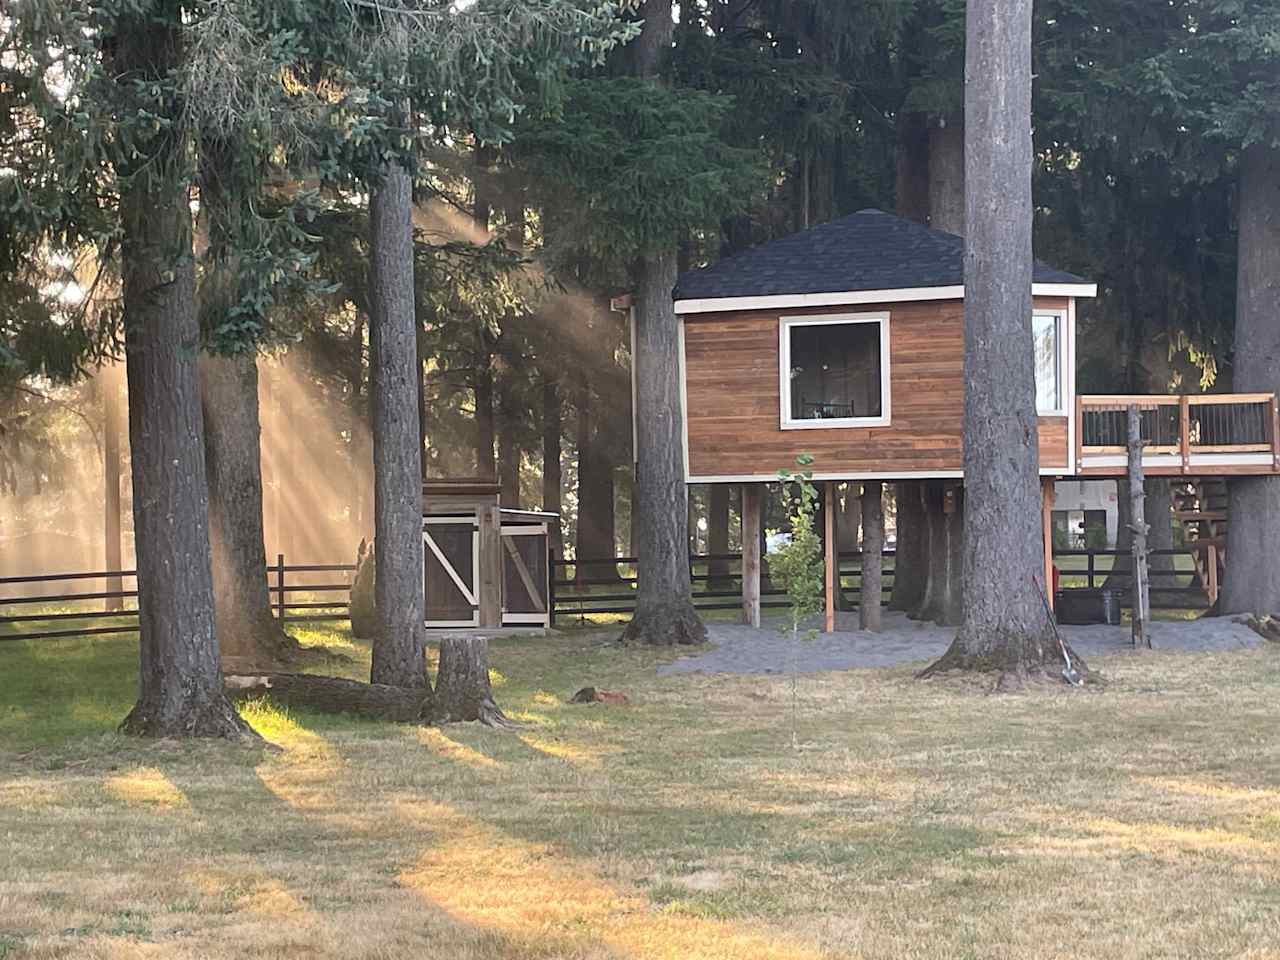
x=859, y=814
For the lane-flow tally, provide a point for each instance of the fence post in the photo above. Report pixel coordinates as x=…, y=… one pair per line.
x=280, y=588
x=551, y=583
x=1090, y=558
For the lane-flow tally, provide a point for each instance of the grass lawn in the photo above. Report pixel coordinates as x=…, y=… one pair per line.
x=859, y=814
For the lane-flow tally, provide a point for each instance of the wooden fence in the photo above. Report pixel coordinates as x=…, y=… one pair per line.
x=313, y=606
x=608, y=586
x=581, y=588
x=578, y=589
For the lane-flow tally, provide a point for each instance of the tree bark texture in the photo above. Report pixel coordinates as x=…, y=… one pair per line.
x=912, y=175
x=943, y=565
x=718, y=534
x=486, y=463
x=463, y=693
x=509, y=455
x=180, y=677
x=337, y=695
x=1252, y=582
x=872, y=556
x=648, y=51
x=247, y=628
x=552, y=477
x=108, y=387
x=910, y=572
x=664, y=606
x=1141, y=595
x=946, y=175
x=1005, y=625
x=400, y=643
x=596, y=534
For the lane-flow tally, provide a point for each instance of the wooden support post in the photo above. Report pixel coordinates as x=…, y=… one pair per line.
x=751, y=553
x=1184, y=432
x=829, y=538
x=1275, y=432
x=490, y=586
x=1138, y=524
x=280, y=604
x=1046, y=520
x=1211, y=573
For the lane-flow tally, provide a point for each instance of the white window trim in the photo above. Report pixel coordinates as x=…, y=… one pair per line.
x=1060, y=337
x=784, y=371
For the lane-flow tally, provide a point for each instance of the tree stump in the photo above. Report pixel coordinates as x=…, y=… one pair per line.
x=462, y=683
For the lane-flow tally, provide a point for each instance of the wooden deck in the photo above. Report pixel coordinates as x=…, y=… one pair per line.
x=1226, y=434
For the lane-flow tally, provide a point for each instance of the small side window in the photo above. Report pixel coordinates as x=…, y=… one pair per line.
x=1046, y=331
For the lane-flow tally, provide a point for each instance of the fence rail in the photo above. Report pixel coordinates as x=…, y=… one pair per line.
x=716, y=578
x=713, y=589
x=279, y=590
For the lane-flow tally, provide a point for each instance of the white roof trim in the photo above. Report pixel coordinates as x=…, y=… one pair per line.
x=850, y=297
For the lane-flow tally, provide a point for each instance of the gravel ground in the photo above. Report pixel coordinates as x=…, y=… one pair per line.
x=743, y=649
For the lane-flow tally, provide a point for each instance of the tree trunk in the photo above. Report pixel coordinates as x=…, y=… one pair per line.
x=1252, y=583
x=108, y=386
x=486, y=464
x=872, y=556
x=648, y=51
x=664, y=606
x=247, y=628
x=596, y=539
x=1005, y=625
x=462, y=683
x=946, y=176
x=552, y=429
x=913, y=167
x=336, y=695
x=910, y=573
x=718, y=535
x=509, y=456
x=1138, y=528
x=944, y=555
x=179, y=677
x=1158, y=496
x=400, y=644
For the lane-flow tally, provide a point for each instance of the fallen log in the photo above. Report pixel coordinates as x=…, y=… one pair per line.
x=337, y=695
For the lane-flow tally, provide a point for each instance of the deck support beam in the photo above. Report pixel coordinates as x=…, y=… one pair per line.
x=751, y=502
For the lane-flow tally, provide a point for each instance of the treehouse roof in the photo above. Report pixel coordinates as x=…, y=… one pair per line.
x=867, y=250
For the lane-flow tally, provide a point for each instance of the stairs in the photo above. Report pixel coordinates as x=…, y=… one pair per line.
x=1200, y=506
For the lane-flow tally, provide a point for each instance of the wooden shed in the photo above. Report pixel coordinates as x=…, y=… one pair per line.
x=483, y=565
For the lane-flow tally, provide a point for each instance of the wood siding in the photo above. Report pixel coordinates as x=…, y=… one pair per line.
x=732, y=393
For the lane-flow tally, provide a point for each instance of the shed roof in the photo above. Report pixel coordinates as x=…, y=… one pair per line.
x=867, y=250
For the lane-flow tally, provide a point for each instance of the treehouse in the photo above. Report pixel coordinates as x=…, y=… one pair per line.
x=846, y=341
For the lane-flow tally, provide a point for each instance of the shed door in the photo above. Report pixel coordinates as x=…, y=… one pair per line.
x=451, y=571
x=525, y=584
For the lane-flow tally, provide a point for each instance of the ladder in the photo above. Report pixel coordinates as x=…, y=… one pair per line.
x=1200, y=506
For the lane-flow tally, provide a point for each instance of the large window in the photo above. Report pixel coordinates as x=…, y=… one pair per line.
x=1047, y=333
x=835, y=371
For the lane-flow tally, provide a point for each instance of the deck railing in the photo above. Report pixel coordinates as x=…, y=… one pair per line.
x=1183, y=433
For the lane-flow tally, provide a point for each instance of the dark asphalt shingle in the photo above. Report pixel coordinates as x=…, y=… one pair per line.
x=867, y=250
